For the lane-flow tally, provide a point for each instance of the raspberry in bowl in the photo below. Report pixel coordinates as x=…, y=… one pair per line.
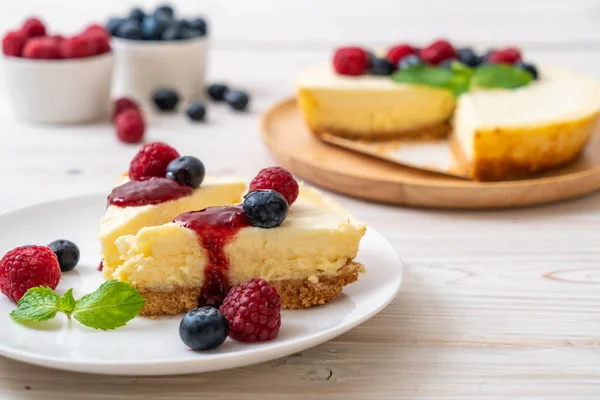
x=57, y=79
x=157, y=49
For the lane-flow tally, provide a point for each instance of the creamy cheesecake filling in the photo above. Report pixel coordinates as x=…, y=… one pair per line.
x=121, y=221
x=369, y=106
x=316, y=241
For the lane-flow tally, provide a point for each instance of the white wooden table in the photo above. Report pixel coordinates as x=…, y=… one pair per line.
x=494, y=305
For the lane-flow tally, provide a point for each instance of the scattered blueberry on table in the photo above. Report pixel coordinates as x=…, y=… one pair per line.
x=159, y=25
x=165, y=99
x=196, y=111
x=217, y=91
x=237, y=99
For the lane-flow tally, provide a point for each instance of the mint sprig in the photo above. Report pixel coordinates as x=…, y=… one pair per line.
x=459, y=78
x=111, y=306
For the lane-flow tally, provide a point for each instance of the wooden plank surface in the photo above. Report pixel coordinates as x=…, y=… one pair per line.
x=494, y=305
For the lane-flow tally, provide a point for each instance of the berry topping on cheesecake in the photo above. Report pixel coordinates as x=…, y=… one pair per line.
x=152, y=160
x=350, y=61
x=152, y=190
x=278, y=179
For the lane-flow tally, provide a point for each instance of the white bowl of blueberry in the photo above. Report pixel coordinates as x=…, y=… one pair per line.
x=157, y=50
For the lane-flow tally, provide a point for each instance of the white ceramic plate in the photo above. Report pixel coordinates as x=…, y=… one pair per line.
x=153, y=347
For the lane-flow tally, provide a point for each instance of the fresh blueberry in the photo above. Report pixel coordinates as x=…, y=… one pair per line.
x=447, y=63
x=113, y=25
x=198, y=24
x=67, y=253
x=186, y=170
x=468, y=57
x=217, y=91
x=381, y=66
x=203, y=328
x=137, y=14
x=165, y=99
x=153, y=28
x=237, y=99
x=265, y=208
x=409, y=61
x=130, y=29
x=172, y=32
x=196, y=111
x=528, y=67
x=165, y=9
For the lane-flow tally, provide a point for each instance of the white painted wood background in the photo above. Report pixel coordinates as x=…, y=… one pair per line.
x=495, y=304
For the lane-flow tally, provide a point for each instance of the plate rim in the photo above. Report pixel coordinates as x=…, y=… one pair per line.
x=224, y=361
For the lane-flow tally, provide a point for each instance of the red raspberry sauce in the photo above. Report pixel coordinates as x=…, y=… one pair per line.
x=215, y=227
x=150, y=191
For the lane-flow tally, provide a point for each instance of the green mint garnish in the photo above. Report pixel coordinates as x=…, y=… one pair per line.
x=501, y=76
x=460, y=77
x=111, y=306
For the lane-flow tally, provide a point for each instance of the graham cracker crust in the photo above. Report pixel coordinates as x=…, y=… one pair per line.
x=436, y=131
x=295, y=293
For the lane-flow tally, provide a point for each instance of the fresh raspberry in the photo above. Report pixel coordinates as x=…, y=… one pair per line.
x=43, y=48
x=152, y=160
x=13, y=43
x=94, y=29
x=130, y=126
x=437, y=52
x=253, y=311
x=26, y=267
x=79, y=46
x=122, y=104
x=278, y=179
x=350, y=61
x=57, y=38
x=398, y=52
x=33, y=27
x=510, y=55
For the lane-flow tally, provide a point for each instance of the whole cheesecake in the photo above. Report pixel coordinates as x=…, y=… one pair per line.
x=197, y=257
x=507, y=119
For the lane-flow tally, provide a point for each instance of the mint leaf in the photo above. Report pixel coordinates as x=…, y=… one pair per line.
x=501, y=76
x=112, y=305
x=455, y=79
x=67, y=302
x=37, y=304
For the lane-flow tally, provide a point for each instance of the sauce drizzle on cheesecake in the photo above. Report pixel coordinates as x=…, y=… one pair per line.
x=215, y=227
x=145, y=192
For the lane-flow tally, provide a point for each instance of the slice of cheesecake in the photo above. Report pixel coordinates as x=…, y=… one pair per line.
x=120, y=221
x=503, y=134
x=196, y=258
x=371, y=107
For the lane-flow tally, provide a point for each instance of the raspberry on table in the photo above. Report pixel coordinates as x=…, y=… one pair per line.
x=13, y=43
x=26, y=267
x=42, y=48
x=253, y=311
x=79, y=46
x=122, y=104
x=278, y=179
x=130, y=126
x=33, y=27
x=152, y=160
x=350, y=61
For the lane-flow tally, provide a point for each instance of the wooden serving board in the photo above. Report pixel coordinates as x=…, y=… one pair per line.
x=359, y=175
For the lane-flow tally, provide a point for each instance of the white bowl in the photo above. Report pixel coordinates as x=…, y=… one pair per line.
x=60, y=91
x=141, y=67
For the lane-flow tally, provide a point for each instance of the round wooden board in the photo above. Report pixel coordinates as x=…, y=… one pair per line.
x=286, y=135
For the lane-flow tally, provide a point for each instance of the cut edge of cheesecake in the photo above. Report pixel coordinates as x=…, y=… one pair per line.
x=371, y=107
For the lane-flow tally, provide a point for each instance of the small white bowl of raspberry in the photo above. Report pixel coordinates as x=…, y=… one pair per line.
x=53, y=79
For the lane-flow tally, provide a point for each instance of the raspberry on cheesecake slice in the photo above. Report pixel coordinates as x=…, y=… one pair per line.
x=195, y=259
